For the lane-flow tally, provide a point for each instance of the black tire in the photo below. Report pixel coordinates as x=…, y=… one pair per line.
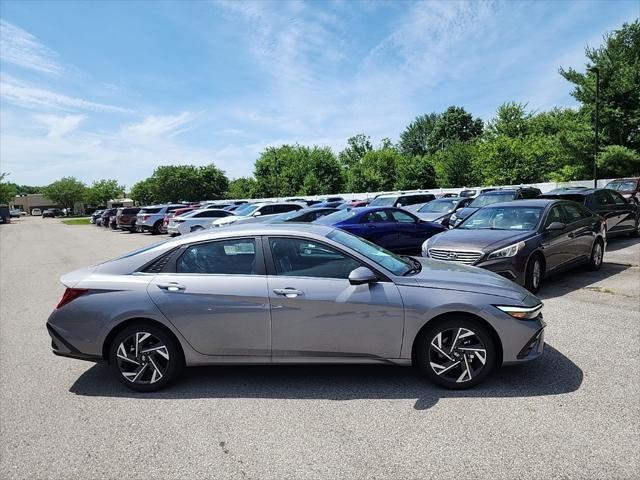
x=196, y=228
x=156, y=228
x=534, y=273
x=149, y=364
x=429, y=359
x=636, y=232
x=597, y=255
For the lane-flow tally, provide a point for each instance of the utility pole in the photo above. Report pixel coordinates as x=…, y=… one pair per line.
x=596, y=70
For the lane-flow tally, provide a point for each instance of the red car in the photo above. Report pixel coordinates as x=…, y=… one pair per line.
x=177, y=213
x=126, y=218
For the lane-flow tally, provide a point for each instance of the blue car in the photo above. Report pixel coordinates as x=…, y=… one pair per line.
x=392, y=228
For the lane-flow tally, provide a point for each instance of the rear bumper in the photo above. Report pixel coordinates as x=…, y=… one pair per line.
x=63, y=348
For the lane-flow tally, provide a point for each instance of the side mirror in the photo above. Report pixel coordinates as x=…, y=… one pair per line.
x=556, y=227
x=362, y=275
x=257, y=214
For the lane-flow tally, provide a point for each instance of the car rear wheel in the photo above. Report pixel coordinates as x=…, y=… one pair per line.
x=456, y=353
x=636, y=231
x=145, y=358
x=157, y=228
x=597, y=255
x=534, y=274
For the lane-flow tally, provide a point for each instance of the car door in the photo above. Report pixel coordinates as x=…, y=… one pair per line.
x=626, y=212
x=410, y=236
x=215, y=294
x=580, y=230
x=606, y=208
x=555, y=242
x=379, y=226
x=316, y=312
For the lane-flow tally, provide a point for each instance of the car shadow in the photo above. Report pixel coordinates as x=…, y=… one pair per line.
x=551, y=374
x=569, y=281
x=620, y=243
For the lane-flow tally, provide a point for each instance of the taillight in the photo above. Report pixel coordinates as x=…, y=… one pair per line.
x=69, y=295
x=145, y=218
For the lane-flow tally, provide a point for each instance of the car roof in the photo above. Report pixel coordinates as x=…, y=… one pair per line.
x=533, y=202
x=573, y=191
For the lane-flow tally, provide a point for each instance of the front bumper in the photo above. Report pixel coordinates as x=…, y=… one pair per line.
x=513, y=268
x=173, y=230
x=63, y=348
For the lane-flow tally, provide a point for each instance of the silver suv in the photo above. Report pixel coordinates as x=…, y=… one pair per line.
x=150, y=219
x=255, y=212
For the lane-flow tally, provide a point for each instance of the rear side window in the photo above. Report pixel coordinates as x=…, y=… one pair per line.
x=130, y=211
x=574, y=213
x=603, y=198
x=224, y=257
x=617, y=198
x=150, y=210
x=209, y=214
x=171, y=209
x=285, y=208
x=530, y=193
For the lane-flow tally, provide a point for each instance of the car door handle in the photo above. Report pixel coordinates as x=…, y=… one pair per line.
x=572, y=234
x=288, y=292
x=171, y=287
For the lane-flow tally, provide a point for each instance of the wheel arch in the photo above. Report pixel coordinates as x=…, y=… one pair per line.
x=453, y=315
x=138, y=321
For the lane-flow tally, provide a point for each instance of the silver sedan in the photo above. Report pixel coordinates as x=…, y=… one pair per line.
x=279, y=294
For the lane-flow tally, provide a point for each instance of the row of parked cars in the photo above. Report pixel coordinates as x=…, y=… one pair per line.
x=519, y=233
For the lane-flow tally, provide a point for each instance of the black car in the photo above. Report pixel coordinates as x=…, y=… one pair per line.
x=441, y=209
x=492, y=196
x=525, y=241
x=106, y=217
x=52, y=213
x=622, y=216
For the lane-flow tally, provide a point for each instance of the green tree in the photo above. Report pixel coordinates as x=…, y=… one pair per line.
x=618, y=161
x=455, y=124
x=243, y=187
x=456, y=165
x=618, y=61
x=66, y=192
x=7, y=190
x=357, y=147
x=143, y=192
x=511, y=120
x=415, y=140
x=414, y=173
x=188, y=183
x=101, y=191
x=375, y=172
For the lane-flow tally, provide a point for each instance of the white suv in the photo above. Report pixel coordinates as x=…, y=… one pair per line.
x=255, y=212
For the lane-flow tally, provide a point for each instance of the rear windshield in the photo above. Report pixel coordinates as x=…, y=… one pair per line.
x=383, y=202
x=622, y=186
x=568, y=196
x=129, y=211
x=491, y=198
x=150, y=210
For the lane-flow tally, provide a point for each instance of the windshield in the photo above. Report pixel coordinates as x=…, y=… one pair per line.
x=336, y=217
x=625, y=186
x=383, y=202
x=439, y=206
x=373, y=252
x=503, y=218
x=491, y=198
x=245, y=210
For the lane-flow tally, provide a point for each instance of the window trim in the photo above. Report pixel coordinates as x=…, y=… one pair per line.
x=566, y=205
x=559, y=205
x=271, y=266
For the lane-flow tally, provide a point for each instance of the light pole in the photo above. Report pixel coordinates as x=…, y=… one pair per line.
x=596, y=70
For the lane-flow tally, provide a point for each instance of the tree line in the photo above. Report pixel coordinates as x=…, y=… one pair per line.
x=440, y=149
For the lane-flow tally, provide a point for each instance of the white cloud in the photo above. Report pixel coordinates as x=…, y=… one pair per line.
x=19, y=47
x=158, y=126
x=11, y=90
x=60, y=125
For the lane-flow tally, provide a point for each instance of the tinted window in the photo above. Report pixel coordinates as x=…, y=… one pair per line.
x=171, y=209
x=235, y=256
x=304, y=258
x=530, y=193
x=266, y=210
x=555, y=215
x=617, y=198
x=573, y=213
x=383, y=202
x=603, y=198
x=285, y=208
x=491, y=198
x=378, y=216
x=403, y=217
x=149, y=210
x=129, y=211
x=209, y=214
x=414, y=199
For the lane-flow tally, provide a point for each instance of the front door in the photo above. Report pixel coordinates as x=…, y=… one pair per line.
x=555, y=242
x=316, y=312
x=217, y=298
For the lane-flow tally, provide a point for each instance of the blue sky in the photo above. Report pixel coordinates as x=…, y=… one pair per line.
x=114, y=89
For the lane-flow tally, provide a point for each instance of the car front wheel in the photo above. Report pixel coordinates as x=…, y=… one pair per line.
x=534, y=274
x=597, y=255
x=456, y=353
x=145, y=358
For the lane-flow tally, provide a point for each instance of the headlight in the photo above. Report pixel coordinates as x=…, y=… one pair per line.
x=521, y=313
x=425, y=248
x=506, y=252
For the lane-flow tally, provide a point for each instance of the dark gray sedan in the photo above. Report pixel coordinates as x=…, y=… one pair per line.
x=291, y=294
x=525, y=240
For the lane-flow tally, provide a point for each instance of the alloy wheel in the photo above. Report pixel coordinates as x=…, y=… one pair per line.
x=457, y=354
x=536, y=274
x=142, y=358
x=597, y=254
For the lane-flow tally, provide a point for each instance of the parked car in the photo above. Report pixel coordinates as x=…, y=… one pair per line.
x=491, y=197
x=392, y=228
x=36, y=212
x=5, y=214
x=95, y=216
x=468, y=193
x=150, y=219
x=629, y=188
x=401, y=199
x=255, y=212
x=525, y=241
x=178, y=212
x=113, y=219
x=195, y=220
x=126, y=218
x=353, y=204
x=287, y=293
x=16, y=213
x=105, y=218
x=447, y=195
x=329, y=204
x=441, y=209
x=52, y=213
x=305, y=215
x=622, y=216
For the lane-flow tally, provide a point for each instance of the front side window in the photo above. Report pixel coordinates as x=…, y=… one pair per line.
x=378, y=216
x=403, y=217
x=223, y=257
x=295, y=257
x=603, y=198
x=573, y=213
x=617, y=198
x=555, y=215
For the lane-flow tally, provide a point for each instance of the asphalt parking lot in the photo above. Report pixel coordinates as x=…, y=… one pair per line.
x=575, y=413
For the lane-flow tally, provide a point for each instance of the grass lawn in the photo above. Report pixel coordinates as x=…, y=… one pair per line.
x=77, y=221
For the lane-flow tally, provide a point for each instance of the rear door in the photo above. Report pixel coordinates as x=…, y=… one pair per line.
x=626, y=212
x=409, y=235
x=215, y=294
x=606, y=207
x=580, y=229
x=316, y=312
x=380, y=227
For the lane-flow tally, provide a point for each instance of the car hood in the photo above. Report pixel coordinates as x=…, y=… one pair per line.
x=430, y=217
x=227, y=220
x=454, y=276
x=481, y=240
x=465, y=212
